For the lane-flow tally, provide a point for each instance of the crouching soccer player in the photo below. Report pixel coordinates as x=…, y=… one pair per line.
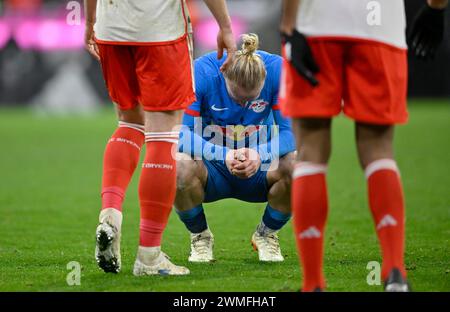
x=237, y=106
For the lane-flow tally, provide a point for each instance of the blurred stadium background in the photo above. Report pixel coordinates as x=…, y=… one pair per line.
x=43, y=64
x=50, y=165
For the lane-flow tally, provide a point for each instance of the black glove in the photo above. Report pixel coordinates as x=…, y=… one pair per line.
x=426, y=32
x=299, y=54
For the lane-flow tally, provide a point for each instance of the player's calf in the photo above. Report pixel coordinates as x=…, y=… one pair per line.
x=265, y=239
x=388, y=210
x=191, y=179
x=157, y=187
x=120, y=160
x=119, y=163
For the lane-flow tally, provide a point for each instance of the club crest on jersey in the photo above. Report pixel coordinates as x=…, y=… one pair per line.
x=258, y=106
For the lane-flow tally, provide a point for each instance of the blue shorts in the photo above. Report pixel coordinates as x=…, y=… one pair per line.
x=222, y=184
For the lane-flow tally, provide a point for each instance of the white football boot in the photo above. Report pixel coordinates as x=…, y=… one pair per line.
x=152, y=261
x=107, y=248
x=202, y=245
x=268, y=247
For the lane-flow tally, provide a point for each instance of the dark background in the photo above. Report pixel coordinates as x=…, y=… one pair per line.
x=61, y=79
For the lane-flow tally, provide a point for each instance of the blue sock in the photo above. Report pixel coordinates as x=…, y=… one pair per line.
x=194, y=219
x=272, y=220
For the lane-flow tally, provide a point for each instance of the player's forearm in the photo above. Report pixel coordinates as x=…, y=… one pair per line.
x=289, y=16
x=90, y=7
x=196, y=146
x=279, y=146
x=438, y=4
x=219, y=10
x=287, y=142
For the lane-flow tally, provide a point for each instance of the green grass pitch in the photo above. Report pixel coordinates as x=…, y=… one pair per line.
x=50, y=172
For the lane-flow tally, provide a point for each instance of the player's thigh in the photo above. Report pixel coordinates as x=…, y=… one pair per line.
x=375, y=87
x=189, y=170
x=254, y=189
x=134, y=115
x=165, y=76
x=299, y=99
x=279, y=182
x=119, y=72
x=218, y=182
x=281, y=169
x=164, y=121
x=313, y=137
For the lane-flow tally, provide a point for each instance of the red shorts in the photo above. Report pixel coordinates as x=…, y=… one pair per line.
x=159, y=77
x=366, y=80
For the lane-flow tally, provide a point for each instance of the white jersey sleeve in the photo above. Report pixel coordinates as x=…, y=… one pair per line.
x=381, y=20
x=141, y=21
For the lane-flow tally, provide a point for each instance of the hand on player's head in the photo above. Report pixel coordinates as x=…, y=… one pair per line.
x=225, y=41
x=246, y=74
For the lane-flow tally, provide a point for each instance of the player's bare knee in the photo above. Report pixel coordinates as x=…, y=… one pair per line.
x=279, y=194
x=319, y=154
x=285, y=186
x=286, y=166
x=373, y=142
x=134, y=115
x=186, y=169
x=315, y=123
x=315, y=139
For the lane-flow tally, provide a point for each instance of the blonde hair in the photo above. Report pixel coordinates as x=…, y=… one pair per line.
x=247, y=70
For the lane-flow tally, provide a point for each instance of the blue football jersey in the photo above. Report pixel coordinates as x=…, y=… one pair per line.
x=238, y=125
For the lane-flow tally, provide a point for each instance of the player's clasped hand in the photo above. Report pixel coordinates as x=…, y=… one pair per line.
x=243, y=163
x=299, y=54
x=426, y=32
x=89, y=41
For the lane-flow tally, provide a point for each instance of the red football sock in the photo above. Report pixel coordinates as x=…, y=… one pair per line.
x=157, y=186
x=387, y=206
x=310, y=208
x=120, y=160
